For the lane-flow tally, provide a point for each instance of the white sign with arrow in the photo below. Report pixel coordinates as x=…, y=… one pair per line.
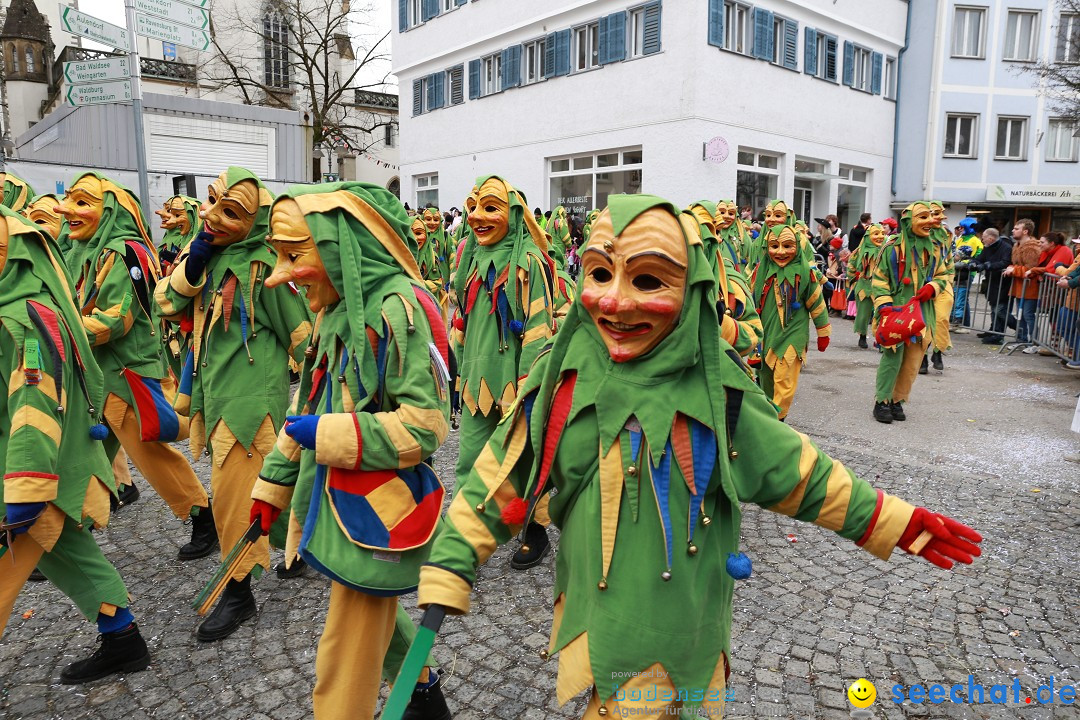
x=150, y=26
x=178, y=12
x=88, y=26
x=108, y=92
x=96, y=71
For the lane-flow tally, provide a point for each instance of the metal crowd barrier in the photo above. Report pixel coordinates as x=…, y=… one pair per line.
x=975, y=309
x=1056, y=327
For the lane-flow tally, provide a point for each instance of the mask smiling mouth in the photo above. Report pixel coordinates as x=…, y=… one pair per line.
x=212, y=230
x=621, y=331
x=484, y=229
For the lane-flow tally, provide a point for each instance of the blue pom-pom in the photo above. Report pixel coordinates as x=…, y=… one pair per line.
x=99, y=431
x=739, y=566
x=796, y=305
x=829, y=285
x=517, y=327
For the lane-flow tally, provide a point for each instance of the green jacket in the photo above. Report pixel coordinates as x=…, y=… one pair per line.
x=786, y=299
x=905, y=265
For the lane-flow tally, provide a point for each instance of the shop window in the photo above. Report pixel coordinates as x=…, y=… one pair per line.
x=757, y=178
x=852, y=191
x=427, y=190
x=583, y=182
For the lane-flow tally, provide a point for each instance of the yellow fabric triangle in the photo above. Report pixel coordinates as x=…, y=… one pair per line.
x=484, y=399
x=467, y=397
x=575, y=671
x=611, y=485
x=509, y=394
x=198, y=435
x=222, y=440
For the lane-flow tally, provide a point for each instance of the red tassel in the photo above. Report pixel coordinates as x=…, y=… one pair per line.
x=187, y=324
x=459, y=323
x=907, y=281
x=514, y=512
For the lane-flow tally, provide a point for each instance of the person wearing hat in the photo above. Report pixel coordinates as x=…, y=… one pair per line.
x=505, y=290
x=860, y=271
x=56, y=484
x=908, y=268
x=968, y=249
x=348, y=468
x=647, y=444
x=115, y=267
x=235, y=381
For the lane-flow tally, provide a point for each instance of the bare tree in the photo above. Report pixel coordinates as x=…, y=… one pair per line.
x=308, y=54
x=1060, y=74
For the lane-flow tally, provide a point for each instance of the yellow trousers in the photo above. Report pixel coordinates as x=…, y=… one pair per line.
x=163, y=466
x=943, y=304
x=897, y=370
x=231, y=483
x=353, y=646
x=779, y=382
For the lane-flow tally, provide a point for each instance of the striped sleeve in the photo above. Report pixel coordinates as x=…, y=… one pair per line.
x=819, y=312
x=538, y=298
x=881, y=287
x=33, y=446
x=281, y=468
x=741, y=325
x=783, y=471
x=114, y=305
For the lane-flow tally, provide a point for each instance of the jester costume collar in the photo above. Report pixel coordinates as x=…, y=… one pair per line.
x=786, y=283
x=17, y=192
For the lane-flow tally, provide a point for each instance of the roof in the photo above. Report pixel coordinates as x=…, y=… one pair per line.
x=24, y=21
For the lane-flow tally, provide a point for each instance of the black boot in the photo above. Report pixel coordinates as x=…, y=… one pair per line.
x=533, y=550
x=37, y=576
x=126, y=494
x=294, y=570
x=236, y=605
x=427, y=704
x=882, y=412
x=862, y=342
x=935, y=359
x=204, y=539
x=897, y=410
x=925, y=367
x=123, y=651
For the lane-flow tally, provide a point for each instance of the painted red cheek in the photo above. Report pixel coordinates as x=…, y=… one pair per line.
x=590, y=300
x=660, y=306
x=309, y=273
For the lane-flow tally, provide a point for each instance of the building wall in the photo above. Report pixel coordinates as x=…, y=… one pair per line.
x=669, y=104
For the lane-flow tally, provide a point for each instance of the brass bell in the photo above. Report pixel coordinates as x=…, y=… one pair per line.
x=666, y=576
x=602, y=585
x=251, y=361
x=249, y=455
x=705, y=519
x=692, y=549
x=602, y=710
x=341, y=379
x=632, y=470
x=481, y=507
x=412, y=329
x=733, y=454
x=59, y=408
x=544, y=654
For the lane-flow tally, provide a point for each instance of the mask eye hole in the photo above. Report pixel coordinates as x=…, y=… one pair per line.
x=601, y=275
x=231, y=214
x=647, y=283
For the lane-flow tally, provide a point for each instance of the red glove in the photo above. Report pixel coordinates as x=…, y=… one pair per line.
x=822, y=343
x=926, y=293
x=265, y=513
x=951, y=540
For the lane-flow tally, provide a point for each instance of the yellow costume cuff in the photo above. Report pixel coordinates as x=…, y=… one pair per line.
x=891, y=523
x=337, y=441
x=277, y=495
x=29, y=487
x=439, y=586
x=178, y=281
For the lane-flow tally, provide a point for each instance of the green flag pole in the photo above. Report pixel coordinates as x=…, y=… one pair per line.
x=414, y=663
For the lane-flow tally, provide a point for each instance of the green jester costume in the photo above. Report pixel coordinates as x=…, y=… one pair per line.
x=860, y=274
x=57, y=483
x=558, y=232
x=373, y=404
x=650, y=456
x=17, y=192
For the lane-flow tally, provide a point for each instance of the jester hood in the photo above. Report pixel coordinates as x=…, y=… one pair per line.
x=121, y=220
x=174, y=238
x=558, y=229
x=17, y=192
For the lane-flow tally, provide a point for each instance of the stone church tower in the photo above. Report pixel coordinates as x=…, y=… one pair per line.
x=27, y=58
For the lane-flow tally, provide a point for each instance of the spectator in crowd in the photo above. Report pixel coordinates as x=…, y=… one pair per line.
x=825, y=235
x=855, y=236
x=1025, y=296
x=1069, y=315
x=455, y=223
x=995, y=257
x=747, y=214
x=1053, y=253
x=966, y=252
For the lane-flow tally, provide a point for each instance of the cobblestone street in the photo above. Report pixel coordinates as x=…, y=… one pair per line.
x=984, y=443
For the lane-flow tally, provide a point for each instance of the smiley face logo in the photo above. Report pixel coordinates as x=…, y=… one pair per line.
x=862, y=693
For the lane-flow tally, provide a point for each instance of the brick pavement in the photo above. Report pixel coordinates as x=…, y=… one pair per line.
x=816, y=614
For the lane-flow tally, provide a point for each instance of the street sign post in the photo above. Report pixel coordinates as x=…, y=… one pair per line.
x=95, y=93
x=175, y=11
x=96, y=71
x=166, y=31
x=88, y=26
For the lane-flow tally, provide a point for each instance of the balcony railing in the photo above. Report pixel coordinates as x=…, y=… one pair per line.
x=369, y=98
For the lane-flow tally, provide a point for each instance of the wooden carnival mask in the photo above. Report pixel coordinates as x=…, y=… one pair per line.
x=490, y=217
x=82, y=207
x=937, y=212
x=420, y=231
x=432, y=218
x=43, y=213
x=726, y=214
x=922, y=218
x=703, y=217
x=298, y=259
x=783, y=246
x=876, y=233
x=165, y=213
x=635, y=283
x=229, y=212
x=177, y=217
x=776, y=213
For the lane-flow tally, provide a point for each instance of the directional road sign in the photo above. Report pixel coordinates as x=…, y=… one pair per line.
x=93, y=94
x=96, y=71
x=175, y=11
x=88, y=26
x=150, y=26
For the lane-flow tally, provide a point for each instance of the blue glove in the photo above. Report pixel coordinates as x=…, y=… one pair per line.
x=199, y=253
x=21, y=512
x=302, y=429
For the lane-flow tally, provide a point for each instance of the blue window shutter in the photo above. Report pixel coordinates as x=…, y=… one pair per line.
x=459, y=3
x=716, y=23
x=763, y=34
x=474, y=79
x=830, y=58
x=849, y=63
x=403, y=15
x=602, y=35
x=549, y=55
x=417, y=101
x=810, y=58
x=504, y=70
x=617, y=36
x=457, y=93
x=515, y=54
x=562, y=52
x=428, y=9
x=791, y=44
x=650, y=42
x=875, y=78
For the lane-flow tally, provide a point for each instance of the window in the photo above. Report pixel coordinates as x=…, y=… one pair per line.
x=960, y=135
x=890, y=78
x=1011, y=138
x=533, y=67
x=276, y=63
x=819, y=54
x=969, y=32
x=1061, y=142
x=427, y=190
x=737, y=27
x=583, y=182
x=645, y=30
x=448, y=5
x=1021, y=35
x=756, y=179
x=861, y=66
x=1068, y=39
x=851, y=193
x=785, y=43
x=455, y=78
x=390, y=134
x=412, y=13
x=587, y=47
x=492, y=72
x=429, y=92
x=637, y=32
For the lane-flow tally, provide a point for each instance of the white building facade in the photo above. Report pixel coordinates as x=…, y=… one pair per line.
x=573, y=100
x=976, y=132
